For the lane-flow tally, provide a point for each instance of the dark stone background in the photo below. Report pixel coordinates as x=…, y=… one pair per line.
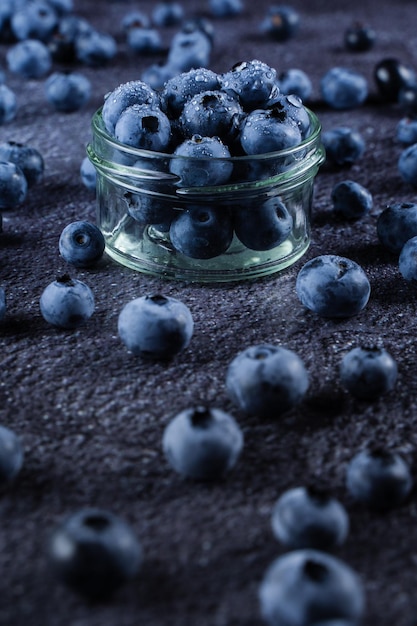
x=91, y=415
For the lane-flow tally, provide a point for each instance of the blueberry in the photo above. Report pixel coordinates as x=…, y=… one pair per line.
x=306, y=586
x=62, y=7
x=266, y=380
x=265, y=131
x=378, y=478
x=94, y=552
x=391, y=76
x=62, y=42
x=208, y=162
x=8, y=104
x=281, y=22
x=144, y=40
x=407, y=165
x=3, y=304
x=309, y=517
x=252, y=82
x=146, y=209
x=406, y=131
x=351, y=200
x=289, y=107
x=183, y=86
x=144, y=126
x=95, y=48
x=225, y=8
x=408, y=260
x=155, y=326
x=202, y=443
x=407, y=99
x=367, y=372
x=343, y=88
x=333, y=286
x=263, y=227
x=135, y=19
x=202, y=232
x=124, y=96
x=190, y=48
x=297, y=82
x=67, y=91
x=343, y=145
x=13, y=185
x=29, y=160
x=211, y=114
x=88, y=174
x=11, y=455
x=396, y=225
x=359, y=37
x=81, y=244
x=29, y=59
x=35, y=20
x=67, y=303
x=157, y=74
x=167, y=14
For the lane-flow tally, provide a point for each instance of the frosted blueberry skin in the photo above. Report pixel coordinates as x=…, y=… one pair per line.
x=333, y=286
x=67, y=303
x=308, y=586
x=265, y=131
x=81, y=244
x=342, y=88
x=252, y=82
x=202, y=232
x=144, y=126
x=263, y=227
x=11, y=455
x=407, y=261
x=211, y=114
x=8, y=104
x=379, y=478
x=124, y=96
x=210, y=164
x=368, y=372
x=26, y=157
x=13, y=185
x=307, y=517
x=391, y=76
x=266, y=380
x=202, y=443
x=351, y=200
x=61, y=44
x=396, y=225
x=94, y=552
x=29, y=59
x=343, y=145
x=407, y=165
x=184, y=86
x=155, y=327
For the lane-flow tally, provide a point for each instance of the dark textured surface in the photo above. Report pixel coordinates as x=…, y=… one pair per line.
x=91, y=416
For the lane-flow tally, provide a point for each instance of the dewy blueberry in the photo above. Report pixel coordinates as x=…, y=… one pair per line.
x=28, y=158
x=265, y=131
x=124, y=96
x=202, y=443
x=252, y=82
x=213, y=166
x=309, y=517
x=13, y=185
x=81, y=244
x=94, y=552
x=305, y=587
x=155, y=326
x=343, y=88
x=265, y=227
x=396, y=225
x=88, y=174
x=367, y=372
x=407, y=262
x=11, y=455
x=266, y=380
x=190, y=48
x=351, y=200
x=333, y=286
x=202, y=232
x=67, y=91
x=144, y=126
x=67, y=303
x=183, y=86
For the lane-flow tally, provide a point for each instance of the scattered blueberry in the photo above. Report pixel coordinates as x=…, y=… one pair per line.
x=190, y=47
x=183, y=86
x=167, y=14
x=343, y=88
x=124, y=96
x=391, y=76
x=13, y=185
x=81, y=244
x=62, y=42
x=304, y=587
x=333, y=286
x=29, y=58
x=407, y=99
x=144, y=40
x=282, y=22
x=289, y=107
x=94, y=48
x=88, y=174
x=202, y=232
x=359, y=37
x=297, y=82
x=35, y=20
x=263, y=227
x=67, y=303
x=135, y=19
x=8, y=104
x=29, y=160
x=407, y=262
x=210, y=164
x=267, y=380
x=309, y=517
x=407, y=165
x=396, y=225
x=343, y=145
x=11, y=455
x=351, y=200
x=157, y=74
x=156, y=326
x=144, y=126
x=94, y=552
x=379, y=478
x=367, y=372
x=225, y=8
x=202, y=443
x=67, y=91
x=406, y=132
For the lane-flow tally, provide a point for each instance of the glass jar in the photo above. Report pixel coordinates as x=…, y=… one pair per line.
x=252, y=225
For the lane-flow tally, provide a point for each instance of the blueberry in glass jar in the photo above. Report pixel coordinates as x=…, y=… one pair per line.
x=67, y=92
x=207, y=162
x=263, y=227
x=94, y=48
x=359, y=37
x=143, y=126
x=124, y=96
x=202, y=232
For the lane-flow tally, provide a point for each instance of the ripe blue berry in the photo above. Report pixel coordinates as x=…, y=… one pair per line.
x=396, y=225
x=135, y=19
x=391, y=76
x=94, y=48
x=308, y=517
x=225, y=8
x=67, y=91
x=167, y=14
x=406, y=132
x=368, y=371
x=266, y=131
x=343, y=88
x=211, y=114
x=252, y=82
x=144, y=40
x=26, y=157
x=156, y=326
x=35, y=20
x=202, y=443
x=297, y=82
x=210, y=163
x=190, y=48
x=265, y=227
x=343, y=145
x=266, y=380
x=407, y=262
x=378, y=478
x=359, y=37
x=144, y=126
x=13, y=185
x=281, y=23
x=148, y=210
x=67, y=303
x=333, y=286
x=202, y=232
x=29, y=59
x=407, y=165
x=351, y=200
x=11, y=455
x=407, y=99
x=81, y=244
x=124, y=96
x=305, y=587
x=94, y=552
x=183, y=86
x=8, y=104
